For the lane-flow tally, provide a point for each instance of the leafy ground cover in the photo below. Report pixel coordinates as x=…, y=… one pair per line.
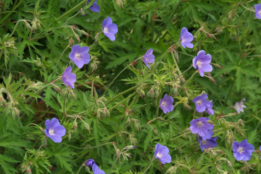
x=130, y=87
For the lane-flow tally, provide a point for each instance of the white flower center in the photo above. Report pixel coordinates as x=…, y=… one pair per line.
x=199, y=63
x=77, y=55
x=159, y=155
x=240, y=149
x=199, y=102
x=259, y=12
x=106, y=30
x=200, y=124
x=163, y=104
x=51, y=131
x=183, y=40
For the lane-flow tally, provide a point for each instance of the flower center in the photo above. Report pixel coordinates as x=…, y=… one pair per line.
x=159, y=155
x=51, y=131
x=199, y=102
x=183, y=40
x=163, y=104
x=240, y=150
x=199, y=63
x=204, y=142
x=106, y=30
x=77, y=55
x=259, y=12
x=200, y=124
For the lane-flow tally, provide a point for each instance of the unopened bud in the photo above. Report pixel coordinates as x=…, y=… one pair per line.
x=77, y=37
x=217, y=65
x=182, y=79
x=150, y=93
x=119, y=3
x=130, y=147
x=241, y=123
x=27, y=25
x=75, y=125
x=96, y=37
x=106, y=112
x=45, y=142
x=84, y=33
x=28, y=171
x=140, y=91
x=70, y=42
x=90, y=162
x=69, y=136
x=34, y=25
x=82, y=12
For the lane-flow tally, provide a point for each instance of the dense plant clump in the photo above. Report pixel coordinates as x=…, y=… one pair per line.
x=130, y=87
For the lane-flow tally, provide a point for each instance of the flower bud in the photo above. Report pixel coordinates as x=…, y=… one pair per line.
x=96, y=37
x=241, y=123
x=70, y=42
x=150, y=93
x=77, y=37
x=119, y=3
x=75, y=125
x=182, y=79
x=27, y=25
x=82, y=12
x=90, y=162
x=45, y=142
x=28, y=171
x=69, y=136
x=140, y=91
x=130, y=147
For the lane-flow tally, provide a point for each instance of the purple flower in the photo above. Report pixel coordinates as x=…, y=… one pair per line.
x=90, y=162
x=166, y=104
x=202, y=103
x=109, y=28
x=243, y=150
x=162, y=154
x=54, y=130
x=94, y=7
x=79, y=55
x=258, y=11
x=202, y=127
x=239, y=106
x=208, y=143
x=202, y=62
x=96, y=170
x=209, y=109
x=185, y=38
x=69, y=78
x=148, y=57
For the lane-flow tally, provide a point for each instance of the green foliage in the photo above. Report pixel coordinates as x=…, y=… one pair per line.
x=115, y=102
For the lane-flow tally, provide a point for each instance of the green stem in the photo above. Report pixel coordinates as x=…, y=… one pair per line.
x=171, y=16
x=180, y=135
x=74, y=8
x=190, y=78
x=61, y=56
x=120, y=74
x=175, y=62
x=148, y=165
x=185, y=54
x=186, y=70
x=122, y=101
x=239, y=62
x=128, y=90
x=80, y=169
x=6, y=16
x=16, y=26
x=199, y=159
x=113, y=164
